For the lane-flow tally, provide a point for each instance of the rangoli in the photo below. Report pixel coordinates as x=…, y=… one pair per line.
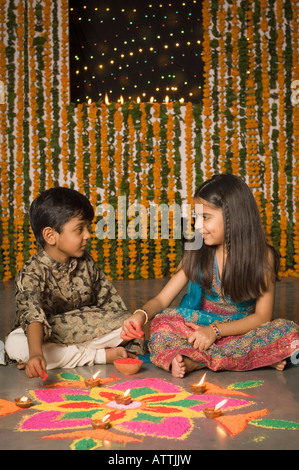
x=158, y=409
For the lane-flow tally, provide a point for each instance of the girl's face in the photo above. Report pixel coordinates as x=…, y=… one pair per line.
x=209, y=222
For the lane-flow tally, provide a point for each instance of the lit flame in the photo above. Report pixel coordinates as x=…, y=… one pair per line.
x=181, y=100
x=138, y=99
x=220, y=404
x=202, y=379
x=152, y=99
x=121, y=100
x=106, y=418
x=126, y=393
x=96, y=375
x=106, y=99
x=89, y=101
x=23, y=399
x=166, y=99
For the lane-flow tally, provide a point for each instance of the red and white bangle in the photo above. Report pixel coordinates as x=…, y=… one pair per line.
x=216, y=330
x=145, y=313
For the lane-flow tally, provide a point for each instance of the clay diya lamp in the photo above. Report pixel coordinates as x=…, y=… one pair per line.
x=23, y=402
x=103, y=423
x=125, y=399
x=215, y=411
x=128, y=366
x=200, y=387
x=94, y=381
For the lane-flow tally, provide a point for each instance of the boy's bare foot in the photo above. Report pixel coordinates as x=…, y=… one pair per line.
x=21, y=366
x=279, y=365
x=117, y=353
x=181, y=365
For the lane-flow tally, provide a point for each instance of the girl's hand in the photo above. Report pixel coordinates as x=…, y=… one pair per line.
x=131, y=327
x=202, y=336
x=36, y=366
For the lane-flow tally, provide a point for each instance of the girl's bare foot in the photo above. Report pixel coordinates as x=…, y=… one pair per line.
x=117, y=353
x=279, y=365
x=182, y=365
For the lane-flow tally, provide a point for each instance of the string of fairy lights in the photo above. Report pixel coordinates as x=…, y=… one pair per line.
x=135, y=50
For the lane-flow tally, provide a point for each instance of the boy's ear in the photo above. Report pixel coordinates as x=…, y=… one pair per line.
x=49, y=235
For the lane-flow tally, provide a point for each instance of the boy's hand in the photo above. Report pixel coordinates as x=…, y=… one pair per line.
x=36, y=366
x=202, y=336
x=132, y=326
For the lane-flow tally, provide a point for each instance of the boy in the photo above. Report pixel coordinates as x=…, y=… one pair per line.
x=68, y=313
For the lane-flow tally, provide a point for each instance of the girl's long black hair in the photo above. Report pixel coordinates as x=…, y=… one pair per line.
x=248, y=263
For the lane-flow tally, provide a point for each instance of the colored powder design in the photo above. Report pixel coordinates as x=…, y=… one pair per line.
x=159, y=409
x=8, y=407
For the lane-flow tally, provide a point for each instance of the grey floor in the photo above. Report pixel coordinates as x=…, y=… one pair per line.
x=279, y=392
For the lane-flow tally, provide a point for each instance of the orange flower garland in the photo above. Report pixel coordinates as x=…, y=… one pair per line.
x=295, y=76
x=252, y=162
x=171, y=190
x=144, y=270
x=188, y=121
x=157, y=262
x=281, y=138
x=64, y=87
x=48, y=89
x=118, y=123
x=5, y=244
x=92, y=116
x=132, y=195
x=207, y=92
x=221, y=13
x=105, y=173
x=33, y=116
x=235, y=32
x=19, y=210
x=79, y=148
x=266, y=119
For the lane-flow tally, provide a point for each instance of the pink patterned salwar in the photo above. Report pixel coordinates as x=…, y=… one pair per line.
x=266, y=345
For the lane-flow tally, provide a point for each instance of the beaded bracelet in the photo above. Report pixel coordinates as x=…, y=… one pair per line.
x=145, y=313
x=216, y=330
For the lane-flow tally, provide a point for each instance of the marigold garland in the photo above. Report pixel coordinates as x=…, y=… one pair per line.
x=105, y=172
x=266, y=118
x=295, y=76
x=221, y=13
x=5, y=243
x=92, y=117
x=79, y=149
x=252, y=161
x=144, y=269
x=131, y=198
x=281, y=137
x=19, y=211
x=33, y=116
x=120, y=219
x=207, y=100
x=171, y=190
x=47, y=57
x=188, y=121
x=235, y=33
x=157, y=261
x=64, y=86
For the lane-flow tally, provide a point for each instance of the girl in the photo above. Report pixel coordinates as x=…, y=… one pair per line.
x=224, y=321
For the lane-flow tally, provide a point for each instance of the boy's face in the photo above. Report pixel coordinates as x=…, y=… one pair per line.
x=70, y=242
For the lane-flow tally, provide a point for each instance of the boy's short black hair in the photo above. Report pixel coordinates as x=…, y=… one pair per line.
x=55, y=207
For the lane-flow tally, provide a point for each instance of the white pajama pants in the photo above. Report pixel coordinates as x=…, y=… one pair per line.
x=61, y=355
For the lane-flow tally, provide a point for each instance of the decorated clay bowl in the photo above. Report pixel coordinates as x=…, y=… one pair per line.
x=128, y=366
